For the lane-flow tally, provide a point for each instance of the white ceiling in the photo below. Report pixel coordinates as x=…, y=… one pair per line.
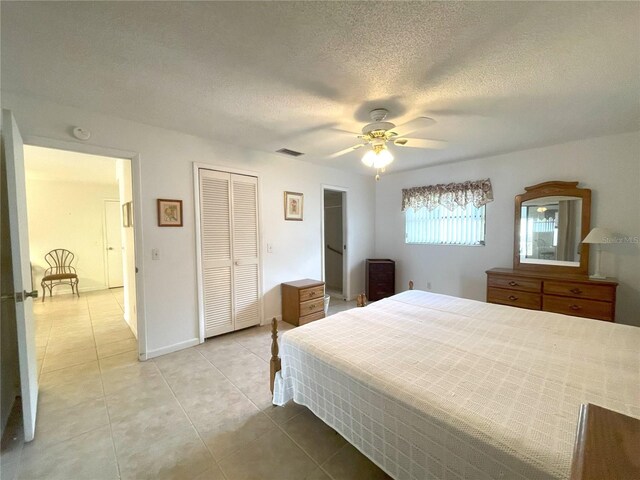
x=496, y=77
x=51, y=164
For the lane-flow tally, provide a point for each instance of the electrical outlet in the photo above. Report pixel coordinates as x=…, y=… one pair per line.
x=269, y=248
x=428, y=285
x=155, y=254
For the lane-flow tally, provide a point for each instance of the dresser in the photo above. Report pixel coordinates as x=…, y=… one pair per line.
x=575, y=295
x=380, y=279
x=302, y=301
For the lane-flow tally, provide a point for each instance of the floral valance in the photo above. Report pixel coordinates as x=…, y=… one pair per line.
x=478, y=192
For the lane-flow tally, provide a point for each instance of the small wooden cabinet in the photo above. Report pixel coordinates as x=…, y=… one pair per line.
x=302, y=301
x=380, y=278
x=575, y=295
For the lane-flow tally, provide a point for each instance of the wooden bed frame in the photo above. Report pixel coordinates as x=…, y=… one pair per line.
x=275, y=364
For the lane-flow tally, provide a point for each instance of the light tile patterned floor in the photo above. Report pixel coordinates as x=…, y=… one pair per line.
x=201, y=413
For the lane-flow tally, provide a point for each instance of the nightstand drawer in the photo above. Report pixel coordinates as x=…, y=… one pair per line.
x=578, y=307
x=311, y=306
x=311, y=293
x=606, y=293
x=514, y=298
x=311, y=318
x=515, y=283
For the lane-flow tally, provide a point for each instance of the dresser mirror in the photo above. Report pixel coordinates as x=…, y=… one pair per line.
x=551, y=220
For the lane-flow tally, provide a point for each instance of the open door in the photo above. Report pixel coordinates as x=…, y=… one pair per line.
x=19, y=236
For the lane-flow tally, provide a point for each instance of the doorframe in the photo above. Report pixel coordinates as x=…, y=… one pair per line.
x=105, y=255
x=346, y=278
x=136, y=187
x=196, y=202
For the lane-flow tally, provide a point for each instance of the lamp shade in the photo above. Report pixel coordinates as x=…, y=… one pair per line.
x=599, y=235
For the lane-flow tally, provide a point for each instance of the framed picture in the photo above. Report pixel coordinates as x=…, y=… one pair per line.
x=127, y=214
x=169, y=213
x=293, y=203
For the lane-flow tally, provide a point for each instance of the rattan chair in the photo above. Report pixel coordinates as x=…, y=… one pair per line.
x=60, y=272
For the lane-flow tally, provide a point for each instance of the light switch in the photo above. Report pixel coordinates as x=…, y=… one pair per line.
x=269, y=248
x=155, y=254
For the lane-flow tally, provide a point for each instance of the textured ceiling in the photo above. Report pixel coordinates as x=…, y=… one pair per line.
x=51, y=164
x=496, y=77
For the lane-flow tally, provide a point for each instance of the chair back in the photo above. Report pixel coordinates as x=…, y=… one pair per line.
x=59, y=261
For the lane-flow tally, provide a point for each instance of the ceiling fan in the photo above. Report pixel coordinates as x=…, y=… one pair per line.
x=378, y=133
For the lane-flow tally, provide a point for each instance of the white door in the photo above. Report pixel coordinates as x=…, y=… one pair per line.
x=113, y=242
x=215, y=243
x=19, y=234
x=246, y=285
x=229, y=245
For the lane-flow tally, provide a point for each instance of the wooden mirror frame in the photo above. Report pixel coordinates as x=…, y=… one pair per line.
x=555, y=188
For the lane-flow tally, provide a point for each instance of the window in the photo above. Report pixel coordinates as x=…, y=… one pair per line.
x=451, y=214
x=460, y=226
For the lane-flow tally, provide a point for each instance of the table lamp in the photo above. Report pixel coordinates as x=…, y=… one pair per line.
x=598, y=236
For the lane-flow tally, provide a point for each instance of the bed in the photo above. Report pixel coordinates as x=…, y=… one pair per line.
x=433, y=386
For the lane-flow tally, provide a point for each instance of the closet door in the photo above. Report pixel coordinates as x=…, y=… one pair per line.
x=245, y=249
x=216, y=247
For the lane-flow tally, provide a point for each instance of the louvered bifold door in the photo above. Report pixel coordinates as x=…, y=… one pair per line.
x=246, y=282
x=216, y=245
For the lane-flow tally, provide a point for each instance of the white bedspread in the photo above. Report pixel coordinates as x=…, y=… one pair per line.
x=431, y=386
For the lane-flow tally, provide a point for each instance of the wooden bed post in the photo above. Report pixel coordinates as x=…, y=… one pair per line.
x=275, y=359
x=410, y=284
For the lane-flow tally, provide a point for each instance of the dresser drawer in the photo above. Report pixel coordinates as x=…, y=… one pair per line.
x=514, y=298
x=606, y=293
x=311, y=318
x=578, y=307
x=311, y=293
x=311, y=306
x=515, y=283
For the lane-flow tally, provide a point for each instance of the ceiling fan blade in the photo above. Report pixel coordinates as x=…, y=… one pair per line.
x=420, y=143
x=413, y=126
x=346, y=150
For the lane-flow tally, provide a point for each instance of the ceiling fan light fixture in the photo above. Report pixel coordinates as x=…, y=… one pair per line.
x=379, y=157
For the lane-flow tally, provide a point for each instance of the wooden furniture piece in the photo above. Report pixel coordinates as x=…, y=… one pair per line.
x=380, y=278
x=302, y=301
x=60, y=272
x=607, y=445
x=575, y=295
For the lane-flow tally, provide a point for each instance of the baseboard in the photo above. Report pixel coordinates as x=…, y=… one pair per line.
x=172, y=348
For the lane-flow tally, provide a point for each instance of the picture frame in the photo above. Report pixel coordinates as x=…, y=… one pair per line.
x=169, y=212
x=293, y=206
x=127, y=214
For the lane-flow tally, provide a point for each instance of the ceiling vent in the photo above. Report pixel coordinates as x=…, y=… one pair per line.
x=291, y=153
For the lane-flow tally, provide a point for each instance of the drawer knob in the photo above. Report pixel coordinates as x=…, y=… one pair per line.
x=576, y=291
x=575, y=307
x=513, y=284
x=512, y=298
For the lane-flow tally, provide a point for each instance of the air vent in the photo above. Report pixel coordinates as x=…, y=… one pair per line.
x=291, y=153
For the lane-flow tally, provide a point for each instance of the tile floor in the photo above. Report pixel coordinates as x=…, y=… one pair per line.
x=201, y=413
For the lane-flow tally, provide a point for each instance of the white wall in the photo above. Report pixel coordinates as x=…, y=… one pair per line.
x=169, y=293
x=69, y=215
x=609, y=166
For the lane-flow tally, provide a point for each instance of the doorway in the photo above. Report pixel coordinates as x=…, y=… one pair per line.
x=334, y=242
